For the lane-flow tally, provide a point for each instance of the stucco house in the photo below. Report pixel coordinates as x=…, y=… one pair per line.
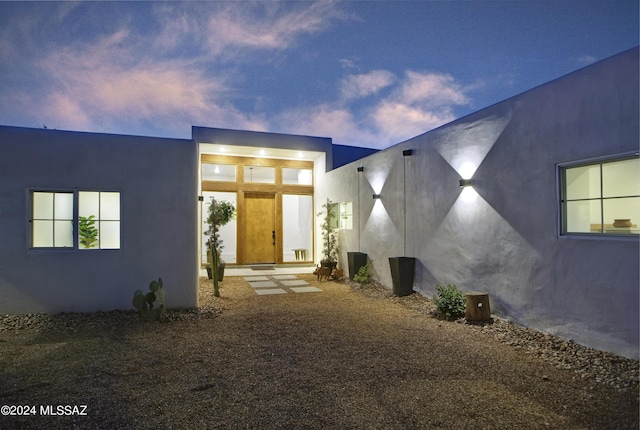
x=535, y=200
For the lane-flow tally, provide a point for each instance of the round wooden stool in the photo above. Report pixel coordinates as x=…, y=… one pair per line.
x=478, y=308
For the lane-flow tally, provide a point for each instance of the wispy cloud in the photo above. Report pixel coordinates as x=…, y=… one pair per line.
x=267, y=25
x=412, y=105
x=356, y=86
x=104, y=80
x=163, y=73
x=185, y=66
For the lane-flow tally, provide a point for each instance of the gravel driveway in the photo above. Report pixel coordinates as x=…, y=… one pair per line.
x=339, y=358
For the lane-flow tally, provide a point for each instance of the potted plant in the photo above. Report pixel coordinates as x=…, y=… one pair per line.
x=402, y=274
x=403, y=268
x=329, y=237
x=219, y=213
x=356, y=260
x=87, y=231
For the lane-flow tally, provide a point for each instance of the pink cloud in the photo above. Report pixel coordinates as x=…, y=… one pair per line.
x=107, y=82
x=236, y=26
x=362, y=85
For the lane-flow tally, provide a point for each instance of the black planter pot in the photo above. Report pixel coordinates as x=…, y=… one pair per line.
x=356, y=261
x=220, y=272
x=330, y=264
x=402, y=274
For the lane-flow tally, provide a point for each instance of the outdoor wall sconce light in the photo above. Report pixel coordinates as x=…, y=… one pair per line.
x=407, y=152
x=376, y=196
x=201, y=198
x=465, y=182
x=360, y=169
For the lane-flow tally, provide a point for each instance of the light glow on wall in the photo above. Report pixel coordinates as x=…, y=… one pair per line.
x=376, y=180
x=467, y=169
x=468, y=195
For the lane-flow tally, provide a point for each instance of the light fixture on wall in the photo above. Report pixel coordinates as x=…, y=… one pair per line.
x=360, y=169
x=200, y=198
x=465, y=182
x=407, y=152
x=376, y=196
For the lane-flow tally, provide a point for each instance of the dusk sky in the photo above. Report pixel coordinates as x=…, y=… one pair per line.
x=366, y=73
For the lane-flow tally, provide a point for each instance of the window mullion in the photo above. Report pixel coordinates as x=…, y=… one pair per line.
x=601, y=200
x=76, y=211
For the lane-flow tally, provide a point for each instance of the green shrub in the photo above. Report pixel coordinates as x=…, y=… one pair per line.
x=450, y=301
x=363, y=276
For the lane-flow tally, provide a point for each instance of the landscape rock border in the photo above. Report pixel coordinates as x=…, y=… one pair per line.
x=587, y=363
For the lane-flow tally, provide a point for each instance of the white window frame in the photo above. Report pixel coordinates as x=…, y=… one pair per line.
x=75, y=220
x=340, y=215
x=561, y=179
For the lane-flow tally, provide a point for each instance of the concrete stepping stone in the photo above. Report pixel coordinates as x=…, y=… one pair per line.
x=263, y=284
x=279, y=277
x=305, y=289
x=268, y=291
x=294, y=283
x=256, y=278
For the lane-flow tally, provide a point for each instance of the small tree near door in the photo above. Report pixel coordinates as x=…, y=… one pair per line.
x=329, y=235
x=219, y=213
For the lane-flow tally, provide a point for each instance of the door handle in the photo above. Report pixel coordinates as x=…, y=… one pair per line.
x=273, y=236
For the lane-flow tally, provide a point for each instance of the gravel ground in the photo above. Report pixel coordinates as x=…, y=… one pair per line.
x=350, y=356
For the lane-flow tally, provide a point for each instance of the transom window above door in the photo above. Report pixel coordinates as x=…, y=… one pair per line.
x=260, y=174
x=218, y=172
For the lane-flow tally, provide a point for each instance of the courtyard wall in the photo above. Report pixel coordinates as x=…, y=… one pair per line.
x=157, y=182
x=502, y=234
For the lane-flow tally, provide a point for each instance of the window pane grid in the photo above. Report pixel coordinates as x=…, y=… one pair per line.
x=101, y=209
x=57, y=218
x=51, y=219
x=601, y=198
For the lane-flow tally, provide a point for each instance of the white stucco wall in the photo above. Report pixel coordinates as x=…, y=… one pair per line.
x=157, y=179
x=501, y=235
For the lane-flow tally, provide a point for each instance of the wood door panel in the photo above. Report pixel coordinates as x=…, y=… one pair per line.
x=259, y=228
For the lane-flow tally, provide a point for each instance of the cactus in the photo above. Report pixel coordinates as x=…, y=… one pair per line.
x=146, y=303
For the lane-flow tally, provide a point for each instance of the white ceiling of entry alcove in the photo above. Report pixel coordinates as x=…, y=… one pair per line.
x=256, y=151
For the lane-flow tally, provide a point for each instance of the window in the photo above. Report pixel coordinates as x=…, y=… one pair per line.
x=262, y=175
x=342, y=215
x=297, y=227
x=297, y=176
x=218, y=172
x=89, y=219
x=601, y=197
x=51, y=219
x=99, y=214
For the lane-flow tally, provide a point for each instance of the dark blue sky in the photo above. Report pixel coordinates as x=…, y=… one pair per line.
x=368, y=73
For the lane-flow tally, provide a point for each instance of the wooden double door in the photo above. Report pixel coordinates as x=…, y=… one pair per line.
x=260, y=228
